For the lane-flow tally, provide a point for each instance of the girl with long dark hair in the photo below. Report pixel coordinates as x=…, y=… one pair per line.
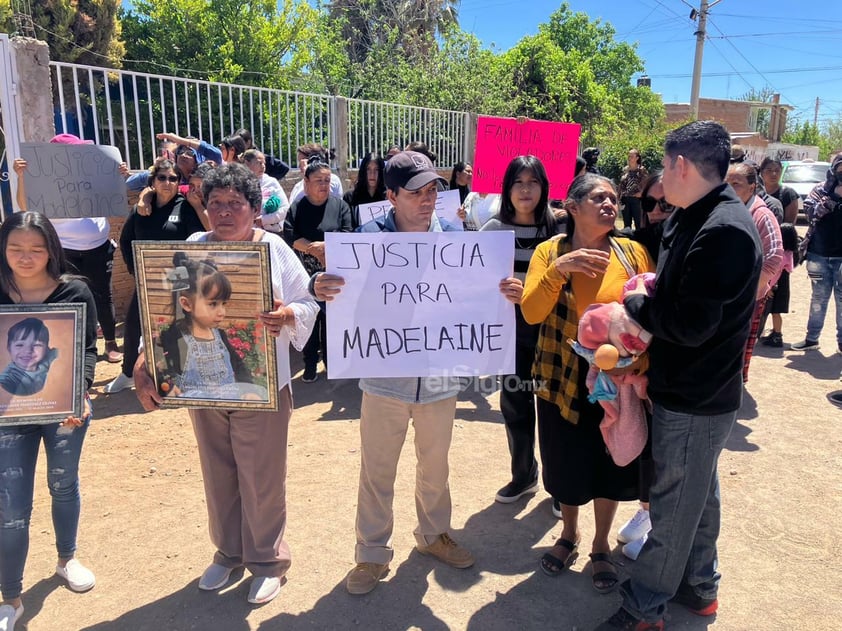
x=524, y=209
x=33, y=271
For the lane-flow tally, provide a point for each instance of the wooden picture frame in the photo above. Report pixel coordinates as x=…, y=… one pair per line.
x=196, y=357
x=42, y=363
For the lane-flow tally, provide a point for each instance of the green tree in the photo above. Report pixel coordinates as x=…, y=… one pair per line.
x=764, y=95
x=832, y=139
x=366, y=24
x=456, y=74
x=253, y=42
x=573, y=70
x=802, y=134
x=828, y=140
x=615, y=148
x=77, y=31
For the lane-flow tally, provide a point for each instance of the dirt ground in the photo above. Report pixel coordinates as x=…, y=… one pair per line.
x=143, y=528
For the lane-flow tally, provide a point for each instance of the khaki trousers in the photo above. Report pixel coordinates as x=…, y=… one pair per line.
x=383, y=426
x=243, y=454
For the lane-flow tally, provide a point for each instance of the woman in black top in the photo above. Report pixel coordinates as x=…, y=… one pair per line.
x=304, y=230
x=655, y=210
x=770, y=171
x=460, y=178
x=369, y=188
x=33, y=272
x=525, y=210
x=168, y=217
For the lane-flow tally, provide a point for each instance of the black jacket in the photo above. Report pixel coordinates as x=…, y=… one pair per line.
x=700, y=315
x=174, y=221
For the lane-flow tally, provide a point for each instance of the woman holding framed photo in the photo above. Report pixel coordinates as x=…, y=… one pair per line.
x=243, y=451
x=33, y=272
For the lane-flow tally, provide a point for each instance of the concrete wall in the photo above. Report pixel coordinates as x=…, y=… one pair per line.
x=734, y=115
x=34, y=89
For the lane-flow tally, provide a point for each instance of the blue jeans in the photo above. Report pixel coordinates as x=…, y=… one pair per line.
x=18, y=456
x=825, y=274
x=685, y=511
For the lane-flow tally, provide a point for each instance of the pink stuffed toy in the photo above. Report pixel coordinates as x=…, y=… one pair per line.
x=608, y=339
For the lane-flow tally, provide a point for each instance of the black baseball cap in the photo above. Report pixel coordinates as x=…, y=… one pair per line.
x=410, y=170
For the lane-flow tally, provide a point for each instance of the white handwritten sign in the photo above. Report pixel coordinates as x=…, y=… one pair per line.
x=420, y=304
x=373, y=210
x=70, y=181
x=447, y=207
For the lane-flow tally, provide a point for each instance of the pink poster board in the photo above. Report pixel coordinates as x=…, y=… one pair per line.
x=501, y=139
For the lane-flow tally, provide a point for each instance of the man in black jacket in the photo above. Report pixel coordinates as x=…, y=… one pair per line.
x=700, y=317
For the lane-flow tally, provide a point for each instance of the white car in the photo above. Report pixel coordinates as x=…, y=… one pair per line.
x=803, y=175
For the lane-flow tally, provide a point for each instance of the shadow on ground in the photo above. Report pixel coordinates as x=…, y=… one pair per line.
x=188, y=608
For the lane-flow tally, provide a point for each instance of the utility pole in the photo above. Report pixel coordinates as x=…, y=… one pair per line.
x=702, y=14
x=816, y=114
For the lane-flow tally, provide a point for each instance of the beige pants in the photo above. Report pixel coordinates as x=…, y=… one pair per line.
x=383, y=425
x=244, y=458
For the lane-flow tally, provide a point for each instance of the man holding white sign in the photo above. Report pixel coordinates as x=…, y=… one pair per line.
x=389, y=402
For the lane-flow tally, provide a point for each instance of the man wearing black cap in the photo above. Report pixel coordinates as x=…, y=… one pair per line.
x=388, y=403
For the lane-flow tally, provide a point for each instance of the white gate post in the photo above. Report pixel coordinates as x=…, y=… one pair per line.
x=10, y=109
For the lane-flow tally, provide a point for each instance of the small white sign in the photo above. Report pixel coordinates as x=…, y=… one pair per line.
x=420, y=304
x=373, y=210
x=72, y=181
x=447, y=209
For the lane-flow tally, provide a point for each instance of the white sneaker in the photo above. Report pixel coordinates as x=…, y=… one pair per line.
x=633, y=548
x=8, y=617
x=635, y=528
x=215, y=577
x=120, y=383
x=78, y=577
x=264, y=588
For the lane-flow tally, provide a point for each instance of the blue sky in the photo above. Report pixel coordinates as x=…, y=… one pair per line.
x=793, y=46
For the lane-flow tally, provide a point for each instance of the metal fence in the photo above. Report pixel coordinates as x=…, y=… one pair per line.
x=376, y=126
x=126, y=109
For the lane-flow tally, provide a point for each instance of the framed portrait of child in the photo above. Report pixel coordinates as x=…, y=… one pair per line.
x=41, y=362
x=199, y=306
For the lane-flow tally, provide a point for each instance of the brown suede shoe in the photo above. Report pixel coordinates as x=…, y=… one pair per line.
x=446, y=549
x=112, y=353
x=365, y=577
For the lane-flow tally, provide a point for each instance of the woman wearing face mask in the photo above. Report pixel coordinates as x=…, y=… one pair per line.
x=304, y=230
x=823, y=245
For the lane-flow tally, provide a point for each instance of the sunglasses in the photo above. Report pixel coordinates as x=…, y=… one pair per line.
x=649, y=203
x=167, y=178
x=186, y=152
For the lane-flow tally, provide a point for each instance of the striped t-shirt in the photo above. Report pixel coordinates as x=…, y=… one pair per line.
x=527, y=239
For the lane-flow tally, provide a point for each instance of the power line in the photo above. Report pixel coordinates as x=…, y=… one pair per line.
x=785, y=33
x=767, y=18
x=728, y=61
x=731, y=74
x=747, y=60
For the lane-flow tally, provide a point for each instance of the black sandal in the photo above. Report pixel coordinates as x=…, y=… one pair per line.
x=606, y=576
x=553, y=566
